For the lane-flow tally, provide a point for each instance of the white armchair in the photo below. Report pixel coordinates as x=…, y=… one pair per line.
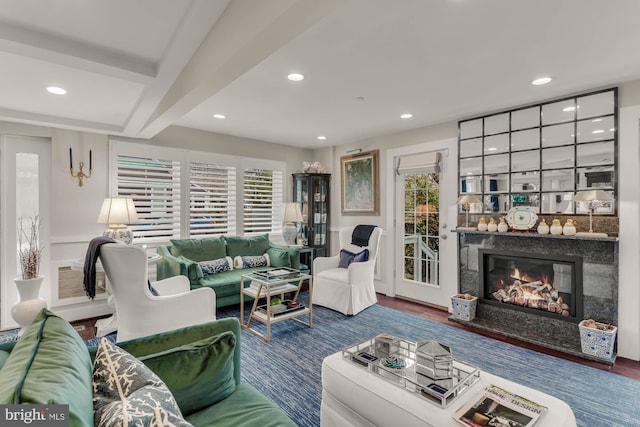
x=347, y=290
x=139, y=312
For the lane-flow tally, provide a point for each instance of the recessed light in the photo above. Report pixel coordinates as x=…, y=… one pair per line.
x=295, y=77
x=56, y=90
x=491, y=149
x=541, y=81
x=322, y=137
x=596, y=120
x=572, y=108
x=406, y=116
x=598, y=131
x=219, y=116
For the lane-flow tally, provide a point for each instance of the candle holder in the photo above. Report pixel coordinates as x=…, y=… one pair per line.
x=80, y=174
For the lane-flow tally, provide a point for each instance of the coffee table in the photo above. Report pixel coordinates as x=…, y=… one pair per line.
x=353, y=396
x=267, y=287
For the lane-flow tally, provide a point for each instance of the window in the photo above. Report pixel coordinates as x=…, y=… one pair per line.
x=188, y=194
x=541, y=155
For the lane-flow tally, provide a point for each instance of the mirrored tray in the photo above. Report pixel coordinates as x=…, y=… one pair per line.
x=394, y=359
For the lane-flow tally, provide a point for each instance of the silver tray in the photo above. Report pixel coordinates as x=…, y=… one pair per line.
x=372, y=354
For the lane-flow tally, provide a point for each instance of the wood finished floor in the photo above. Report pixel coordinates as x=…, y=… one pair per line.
x=622, y=366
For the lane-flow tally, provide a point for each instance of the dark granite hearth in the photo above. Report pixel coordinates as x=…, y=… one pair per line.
x=600, y=287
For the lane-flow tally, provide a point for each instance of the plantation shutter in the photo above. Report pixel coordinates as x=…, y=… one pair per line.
x=212, y=200
x=154, y=185
x=263, y=196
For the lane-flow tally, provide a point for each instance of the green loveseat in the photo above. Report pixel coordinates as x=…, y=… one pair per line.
x=183, y=257
x=50, y=364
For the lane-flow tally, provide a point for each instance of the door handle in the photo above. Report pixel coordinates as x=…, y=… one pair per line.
x=443, y=236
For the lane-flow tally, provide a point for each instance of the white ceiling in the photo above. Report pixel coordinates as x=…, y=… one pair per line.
x=135, y=67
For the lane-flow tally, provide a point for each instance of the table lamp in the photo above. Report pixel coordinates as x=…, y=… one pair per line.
x=465, y=200
x=118, y=212
x=292, y=216
x=591, y=196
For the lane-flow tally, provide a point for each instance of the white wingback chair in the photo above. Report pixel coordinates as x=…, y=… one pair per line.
x=347, y=290
x=139, y=312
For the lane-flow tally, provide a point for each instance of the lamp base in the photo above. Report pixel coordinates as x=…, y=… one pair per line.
x=123, y=235
x=591, y=234
x=289, y=233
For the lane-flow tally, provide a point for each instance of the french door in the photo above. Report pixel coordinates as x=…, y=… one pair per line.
x=425, y=249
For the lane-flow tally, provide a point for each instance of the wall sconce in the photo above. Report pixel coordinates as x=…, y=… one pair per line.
x=80, y=174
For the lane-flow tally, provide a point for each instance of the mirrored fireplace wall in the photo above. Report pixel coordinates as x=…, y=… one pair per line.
x=541, y=155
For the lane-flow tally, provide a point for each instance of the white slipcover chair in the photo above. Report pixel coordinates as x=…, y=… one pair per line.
x=139, y=312
x=347, y=290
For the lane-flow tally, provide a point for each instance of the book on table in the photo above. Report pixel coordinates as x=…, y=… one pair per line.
x=286, y=306
x=499, y=408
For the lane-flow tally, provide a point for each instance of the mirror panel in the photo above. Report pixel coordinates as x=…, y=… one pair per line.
x=471, y=129
x=599, y=104
x=496, y=144
x=558, y=135
x=526, y=181
x=496, y=124
x=496, y=183
x=471, y=147
x=558, y=179
x=525, y=161
x=602, y=177
x=471, y=166
x=471, y=184
x=525, y=140
x=558, y=157
x=597, y=153
x=496, y=203
x=527, y=118
x=495, y=164
x=542, y=154
x=558, y=112
x=598, y=129
x=557, y=203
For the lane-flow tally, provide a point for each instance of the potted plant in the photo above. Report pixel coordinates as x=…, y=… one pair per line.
x=28, y=284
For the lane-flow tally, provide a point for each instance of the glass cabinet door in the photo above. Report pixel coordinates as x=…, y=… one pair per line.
x=312, y=192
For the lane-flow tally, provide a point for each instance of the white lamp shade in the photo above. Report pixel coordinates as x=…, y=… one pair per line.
x=118, y=211
x=292, y=212
x=468, y=198
x=592, y=196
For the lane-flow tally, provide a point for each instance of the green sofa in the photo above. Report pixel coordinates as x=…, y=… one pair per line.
x=50, y=364
x=184, y=257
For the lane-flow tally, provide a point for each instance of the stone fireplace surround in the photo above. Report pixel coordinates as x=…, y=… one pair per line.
x=600, y=286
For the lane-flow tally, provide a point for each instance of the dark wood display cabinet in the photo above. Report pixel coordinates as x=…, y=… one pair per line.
x=312, y=191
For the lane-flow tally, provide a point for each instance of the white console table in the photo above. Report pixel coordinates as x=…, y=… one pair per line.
x=352, y=396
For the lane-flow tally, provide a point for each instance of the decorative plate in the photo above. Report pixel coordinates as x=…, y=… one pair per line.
x=521, y=217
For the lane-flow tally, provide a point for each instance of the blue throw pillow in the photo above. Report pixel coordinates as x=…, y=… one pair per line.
x=347, y=257
x=216, y=266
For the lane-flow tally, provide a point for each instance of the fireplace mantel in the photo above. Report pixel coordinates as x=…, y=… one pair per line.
x=600, y=285
x=533, y=234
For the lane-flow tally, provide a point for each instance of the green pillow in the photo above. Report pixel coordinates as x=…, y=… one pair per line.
x=198, y=374
x=247, y=246
x=126, y=392
x=50, y=364
x=279, y=257
x=200, y=249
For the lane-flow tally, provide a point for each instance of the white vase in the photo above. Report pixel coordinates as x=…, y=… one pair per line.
x=30, y=304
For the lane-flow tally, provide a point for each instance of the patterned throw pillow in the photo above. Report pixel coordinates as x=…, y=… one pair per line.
x=216, y=266
x=252, y=261
x=126, y=392
x=347, y=257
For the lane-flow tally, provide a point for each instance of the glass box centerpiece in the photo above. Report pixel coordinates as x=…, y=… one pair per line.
x=434, y=360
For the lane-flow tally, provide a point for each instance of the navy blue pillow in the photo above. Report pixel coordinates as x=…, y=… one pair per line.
x=152, y=289
x=347, y=257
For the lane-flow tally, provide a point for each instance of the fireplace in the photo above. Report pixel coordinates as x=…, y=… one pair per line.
x=545, y=285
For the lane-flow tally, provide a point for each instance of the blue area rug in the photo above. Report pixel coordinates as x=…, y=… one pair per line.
x=287, y=369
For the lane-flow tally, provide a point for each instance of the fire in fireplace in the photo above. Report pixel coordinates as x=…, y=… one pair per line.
x=549, y=286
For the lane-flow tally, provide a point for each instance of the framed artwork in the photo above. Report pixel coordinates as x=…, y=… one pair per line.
x=359, y=182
